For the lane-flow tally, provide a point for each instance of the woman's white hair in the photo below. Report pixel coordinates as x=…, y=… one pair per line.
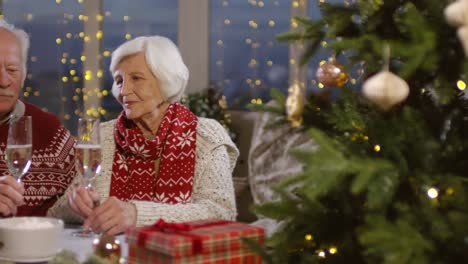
x=23, y=41
x=164, y=60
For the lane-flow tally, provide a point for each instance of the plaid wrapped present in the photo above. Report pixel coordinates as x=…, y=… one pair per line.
x=207, y=241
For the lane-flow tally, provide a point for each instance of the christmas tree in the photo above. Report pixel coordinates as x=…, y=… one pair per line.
x=211, y=104
x=388, y=183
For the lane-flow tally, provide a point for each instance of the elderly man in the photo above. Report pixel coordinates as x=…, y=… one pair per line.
x=52, y=167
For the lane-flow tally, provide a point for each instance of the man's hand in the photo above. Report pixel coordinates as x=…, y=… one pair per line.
x=112, y=217
x=11, y=195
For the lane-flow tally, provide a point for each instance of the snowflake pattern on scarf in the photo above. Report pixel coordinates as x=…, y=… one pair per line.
x=133, y=171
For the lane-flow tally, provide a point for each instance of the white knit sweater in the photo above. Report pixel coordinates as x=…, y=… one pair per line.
x=213, y=190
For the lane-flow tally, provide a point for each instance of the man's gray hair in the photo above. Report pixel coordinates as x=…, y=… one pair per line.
x=23, y=41
x=164, y=60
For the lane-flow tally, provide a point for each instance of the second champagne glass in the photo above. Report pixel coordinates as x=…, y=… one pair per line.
x=19, y=146
x=88, y=150
x=88, y=157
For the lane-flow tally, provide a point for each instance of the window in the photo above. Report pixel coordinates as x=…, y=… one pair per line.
x=126, y=19
x=54, y=64
x=245, y=60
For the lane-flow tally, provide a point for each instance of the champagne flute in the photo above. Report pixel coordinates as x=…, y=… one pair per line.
x=19, y=146
x=87, y=158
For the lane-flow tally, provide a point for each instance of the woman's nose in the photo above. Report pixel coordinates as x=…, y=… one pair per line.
x=126, y=88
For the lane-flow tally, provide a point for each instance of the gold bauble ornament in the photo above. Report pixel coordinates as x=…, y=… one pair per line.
x=107, y=247
x=385, y=89
x=332, y=74
x=456, y=13
x=295, y=104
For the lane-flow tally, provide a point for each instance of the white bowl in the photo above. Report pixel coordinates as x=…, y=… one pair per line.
x=30, y=239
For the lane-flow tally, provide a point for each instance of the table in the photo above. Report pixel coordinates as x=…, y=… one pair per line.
x=83, y=247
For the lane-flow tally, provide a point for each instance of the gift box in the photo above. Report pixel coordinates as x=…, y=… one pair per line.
x=207, y=241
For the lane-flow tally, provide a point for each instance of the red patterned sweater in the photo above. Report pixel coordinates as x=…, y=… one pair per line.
x=52, y=168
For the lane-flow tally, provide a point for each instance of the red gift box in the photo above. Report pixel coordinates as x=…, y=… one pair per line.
x=206, y=241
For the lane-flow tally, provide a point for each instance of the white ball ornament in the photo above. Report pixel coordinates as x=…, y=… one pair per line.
x=456, y=13
x=385, y=89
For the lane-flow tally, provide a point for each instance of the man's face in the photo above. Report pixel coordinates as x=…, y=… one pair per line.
x=11, y=71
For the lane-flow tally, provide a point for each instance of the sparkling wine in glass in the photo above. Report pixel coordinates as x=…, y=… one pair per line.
x=19, y=146
x=88, y=162
x=87, y=157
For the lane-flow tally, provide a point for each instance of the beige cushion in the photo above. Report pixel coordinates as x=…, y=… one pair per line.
x=270, y=161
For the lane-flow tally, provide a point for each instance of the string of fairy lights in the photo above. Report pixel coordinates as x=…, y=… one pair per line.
x=255, y=42
x=74, y=76
x=219, y=48
x=69, y=67
x=258, y=45
x=71, y=77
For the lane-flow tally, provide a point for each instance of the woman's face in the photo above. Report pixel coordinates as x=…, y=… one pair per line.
x=139, y=91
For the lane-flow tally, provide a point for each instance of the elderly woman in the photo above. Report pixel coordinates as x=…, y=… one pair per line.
x=158, y=159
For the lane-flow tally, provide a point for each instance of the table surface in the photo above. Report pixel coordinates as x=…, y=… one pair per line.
x=83, y=247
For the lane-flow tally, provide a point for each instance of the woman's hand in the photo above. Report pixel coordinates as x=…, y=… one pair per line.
x=82, y=201
x=112, y=217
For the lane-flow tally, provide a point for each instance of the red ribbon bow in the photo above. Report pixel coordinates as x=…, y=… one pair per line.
x=166, y=227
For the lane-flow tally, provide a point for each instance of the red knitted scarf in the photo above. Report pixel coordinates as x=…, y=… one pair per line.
x=133, y=171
